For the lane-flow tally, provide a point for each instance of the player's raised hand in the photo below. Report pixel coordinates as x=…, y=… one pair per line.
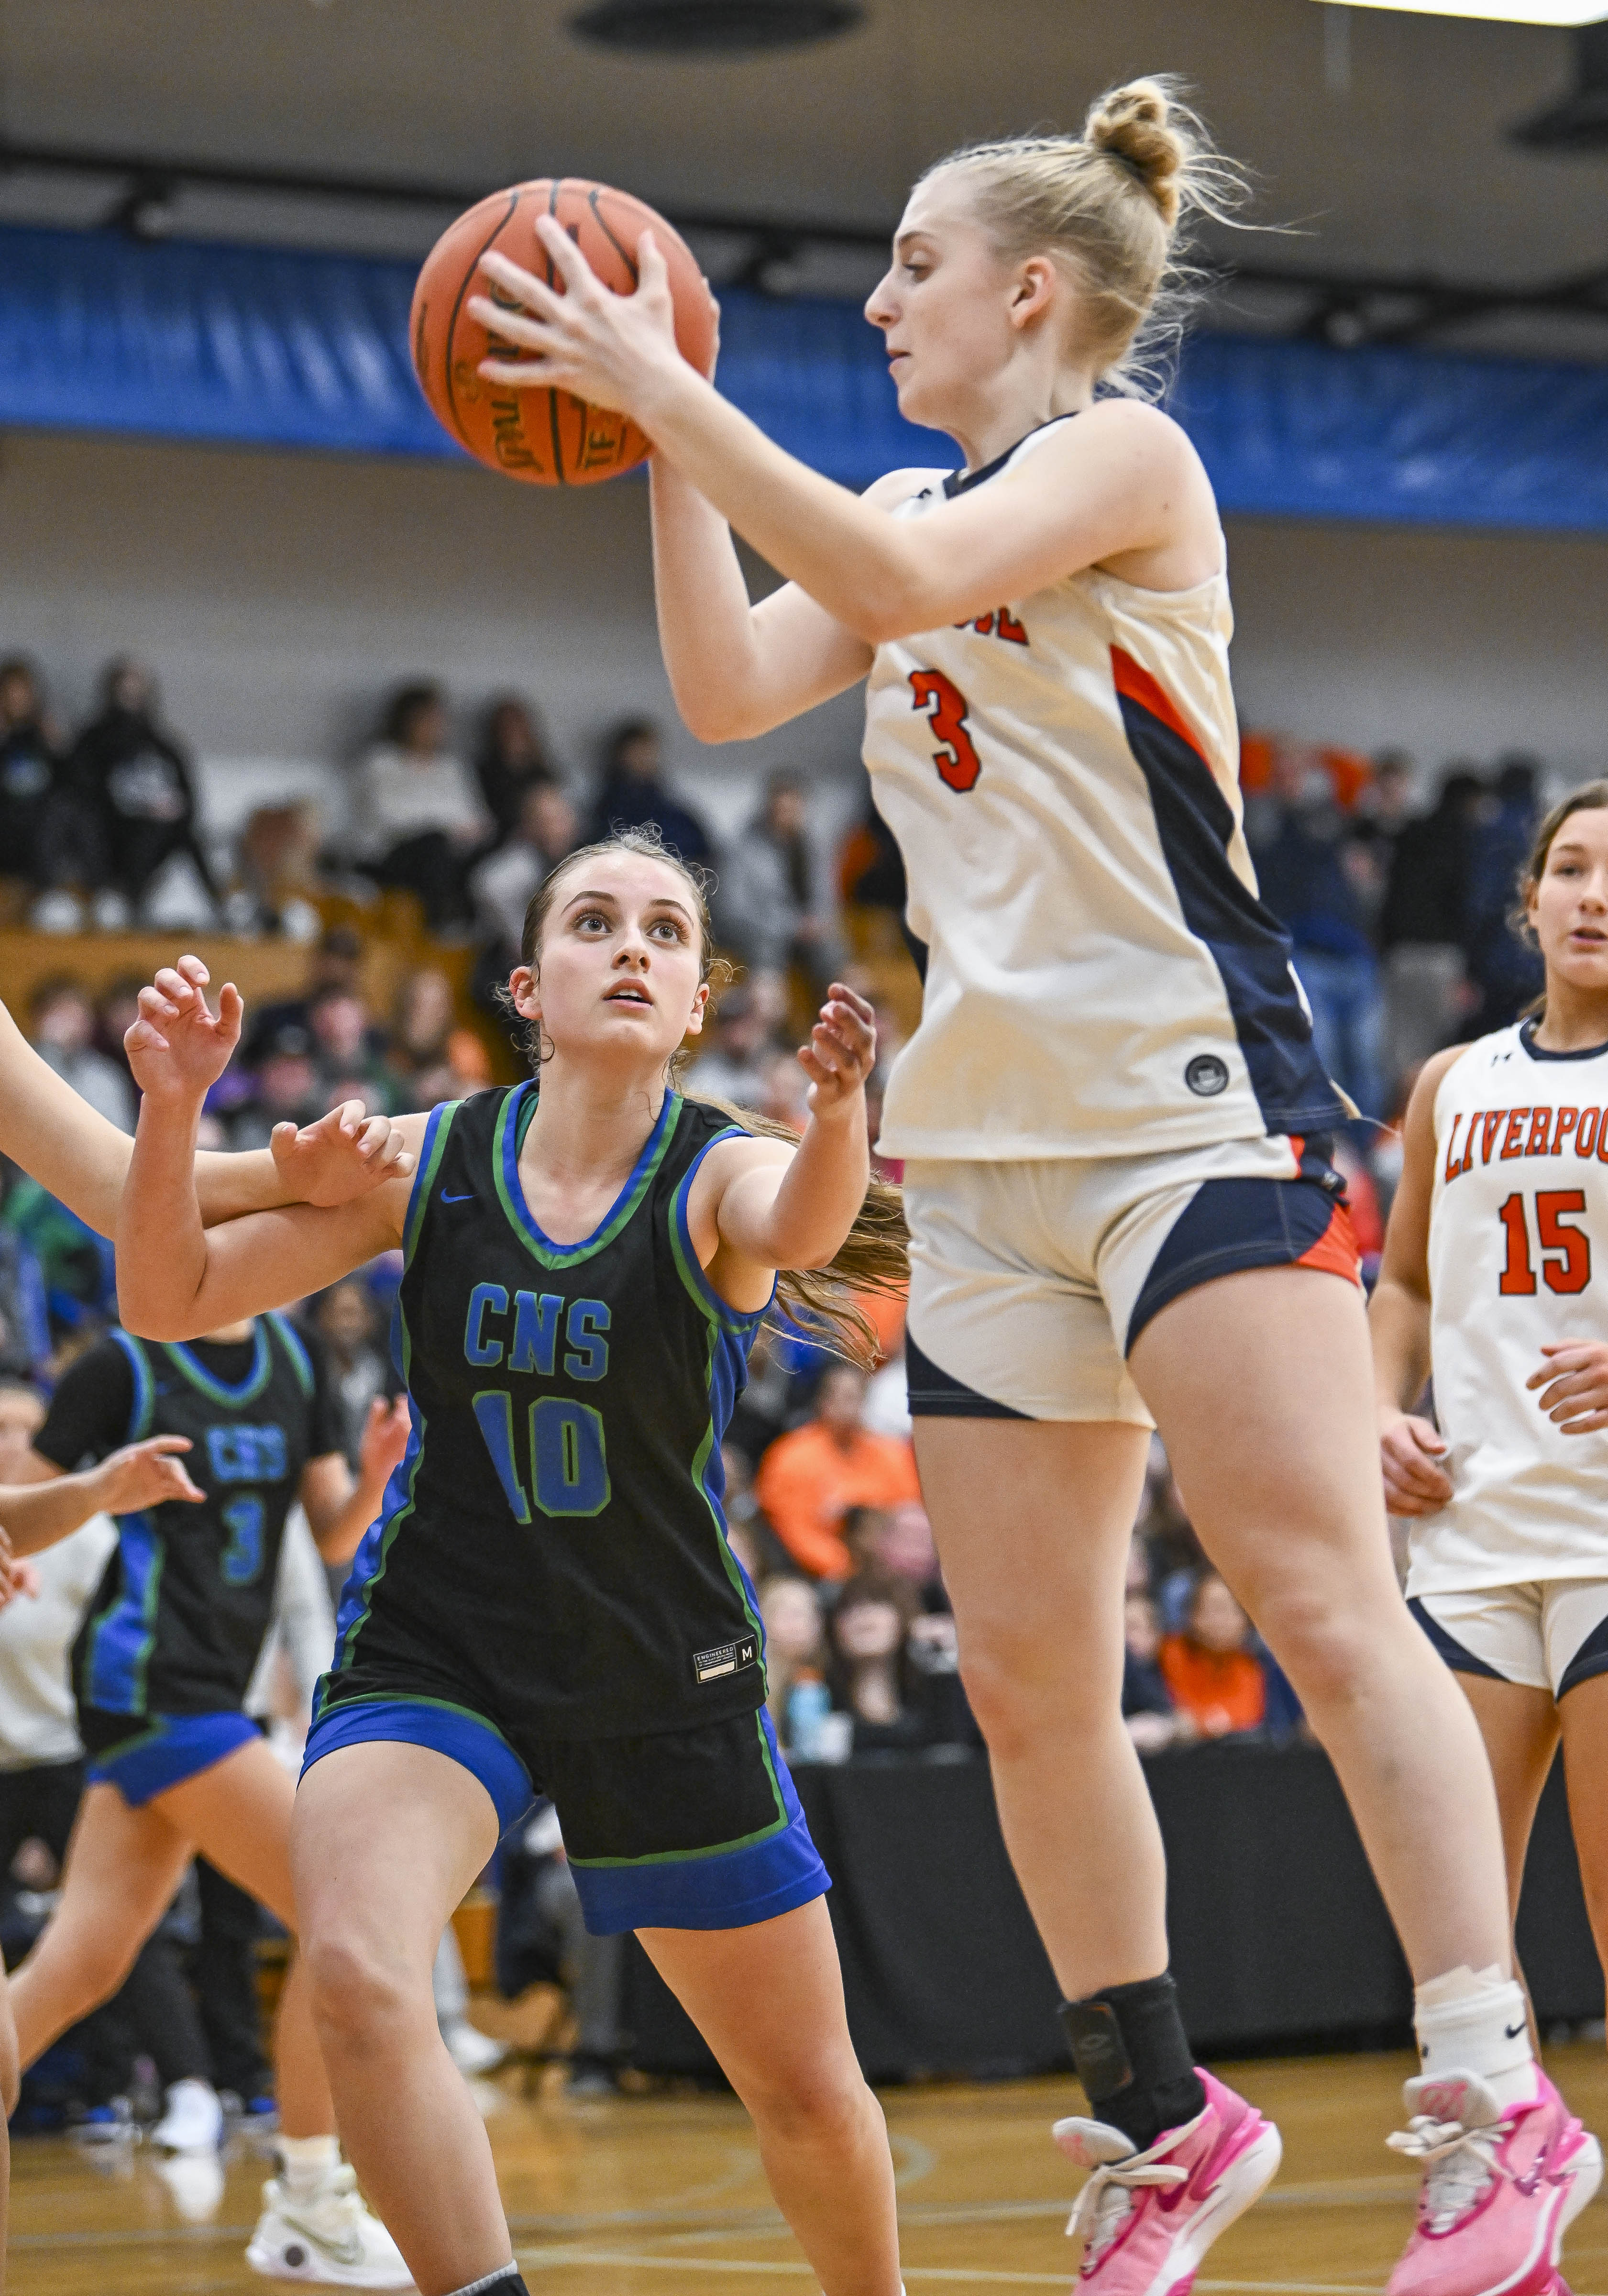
x=145, y=1475
x=1410, y=1451
x=345, y=1154
x=178, y=1047
x=606, y=347
x=841, y=1051
x=384, y=1442
x=1574, y=1380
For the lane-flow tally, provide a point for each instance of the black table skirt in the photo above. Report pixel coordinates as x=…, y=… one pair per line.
x=1279, y=1938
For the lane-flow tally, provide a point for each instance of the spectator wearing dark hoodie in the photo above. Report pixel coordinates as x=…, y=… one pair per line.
x=633, y=794
x=31, y=766
x=130, y=801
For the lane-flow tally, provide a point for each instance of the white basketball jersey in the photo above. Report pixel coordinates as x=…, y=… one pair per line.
x=1518, y=1256
x=1062, y=777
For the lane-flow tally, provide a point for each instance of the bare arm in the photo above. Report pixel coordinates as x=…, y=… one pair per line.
x=71, y=1149
x=147, y=1474
x=1398, y=1315
x=1121, y=485
x=340, y=1505
x=759, y=1205
x=175, y=1277
x=737, y=670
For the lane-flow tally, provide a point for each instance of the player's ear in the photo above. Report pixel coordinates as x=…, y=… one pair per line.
x=1033, y=289
x=695, y=1026
x=524, y=989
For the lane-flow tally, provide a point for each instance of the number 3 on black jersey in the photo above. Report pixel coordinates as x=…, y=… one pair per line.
x=945, y=706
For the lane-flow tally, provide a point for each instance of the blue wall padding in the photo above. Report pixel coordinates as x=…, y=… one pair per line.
x=272, y=348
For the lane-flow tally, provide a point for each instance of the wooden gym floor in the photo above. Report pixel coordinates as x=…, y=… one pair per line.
x=662, y=2195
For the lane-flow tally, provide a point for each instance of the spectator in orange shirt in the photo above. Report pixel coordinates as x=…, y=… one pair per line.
x=807, y=1480
x=1212, y=1672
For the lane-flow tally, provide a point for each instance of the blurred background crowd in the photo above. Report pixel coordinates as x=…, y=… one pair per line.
x=376, y=946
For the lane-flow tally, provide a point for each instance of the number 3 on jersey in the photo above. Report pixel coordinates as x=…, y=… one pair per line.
x=944, y=705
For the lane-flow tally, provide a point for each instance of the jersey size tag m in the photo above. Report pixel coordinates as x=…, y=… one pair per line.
x=730, y=1657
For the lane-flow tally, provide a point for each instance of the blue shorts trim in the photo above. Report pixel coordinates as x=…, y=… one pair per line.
x=450, y=1730
x=1459, y=1660
x=1590, y=1660
x=935, y=1393
x=1229, y=1226
x=709, y=1889
x=170, y=1749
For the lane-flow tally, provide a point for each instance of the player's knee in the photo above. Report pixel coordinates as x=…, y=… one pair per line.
x=823, y=2108
x=1018, y=1688
x=358, y=1990
x=1323, y=1649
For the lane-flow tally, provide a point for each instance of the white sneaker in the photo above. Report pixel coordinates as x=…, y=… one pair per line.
x=328, y=2239
x=470, y=2049
x=193, y=2121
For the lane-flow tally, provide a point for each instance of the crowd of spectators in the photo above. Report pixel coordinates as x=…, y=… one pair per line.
x=1397, y=899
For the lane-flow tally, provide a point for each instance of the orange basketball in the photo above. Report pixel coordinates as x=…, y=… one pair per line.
x=547, y=438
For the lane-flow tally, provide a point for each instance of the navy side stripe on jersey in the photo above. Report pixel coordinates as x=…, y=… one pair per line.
x=1250, y=948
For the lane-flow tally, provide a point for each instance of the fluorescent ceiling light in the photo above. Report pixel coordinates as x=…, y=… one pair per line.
x=1495, y=11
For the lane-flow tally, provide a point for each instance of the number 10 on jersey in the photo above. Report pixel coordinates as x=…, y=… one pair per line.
x=569, y=1466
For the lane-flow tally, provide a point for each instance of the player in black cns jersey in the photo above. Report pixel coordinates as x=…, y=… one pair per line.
x=200, y=1451
x=549, y=1598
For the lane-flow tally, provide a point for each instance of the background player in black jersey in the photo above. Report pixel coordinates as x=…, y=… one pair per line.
x=59, y=1140
x=550, y=1597
x=199, y=1452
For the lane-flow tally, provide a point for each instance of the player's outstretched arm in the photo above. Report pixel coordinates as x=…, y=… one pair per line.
x=139, y=1475
x=71, y=1149
x=176, y=1278
x=1121, y=483
x=767, y=1206
x=1410, y=1447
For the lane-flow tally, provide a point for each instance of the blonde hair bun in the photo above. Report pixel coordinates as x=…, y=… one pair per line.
x=1137, y=126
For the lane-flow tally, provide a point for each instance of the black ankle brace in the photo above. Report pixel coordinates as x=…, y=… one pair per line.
x=1131, y=2054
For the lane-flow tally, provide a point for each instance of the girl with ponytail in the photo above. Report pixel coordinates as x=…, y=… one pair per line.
x=548, y=1601
x=1113, y=1126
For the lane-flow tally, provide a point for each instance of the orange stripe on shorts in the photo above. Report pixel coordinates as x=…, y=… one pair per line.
x=1335, y=1250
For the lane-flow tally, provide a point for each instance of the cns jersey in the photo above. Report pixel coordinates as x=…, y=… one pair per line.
x=1518, y=1257
x=554, y=1536
x=184, y=1608
x=1062, y=777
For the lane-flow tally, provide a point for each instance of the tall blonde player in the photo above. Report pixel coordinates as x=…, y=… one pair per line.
x=1112, y=1121
x=1495, y=1280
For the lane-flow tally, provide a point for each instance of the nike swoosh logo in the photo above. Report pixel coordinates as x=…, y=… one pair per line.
x=1514, y=2032
x=466, y=1198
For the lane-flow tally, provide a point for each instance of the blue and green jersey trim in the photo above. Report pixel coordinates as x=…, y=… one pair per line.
x=513, y=1122
x=217, y=1391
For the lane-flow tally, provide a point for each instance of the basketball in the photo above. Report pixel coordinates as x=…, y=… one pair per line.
x=546, y=437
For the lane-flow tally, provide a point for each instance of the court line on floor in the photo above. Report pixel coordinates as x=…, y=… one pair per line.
x=960, y=2275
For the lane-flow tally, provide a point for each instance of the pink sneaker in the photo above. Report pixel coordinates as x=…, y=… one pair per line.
x=1147, y=2219
x=1500, y=2189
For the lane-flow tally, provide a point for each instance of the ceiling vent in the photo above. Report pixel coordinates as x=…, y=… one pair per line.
x=713, y=28
x=1580, y=122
